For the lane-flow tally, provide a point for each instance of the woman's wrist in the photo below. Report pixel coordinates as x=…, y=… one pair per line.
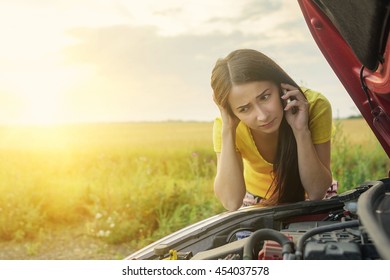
x=228, y=130
x=302, y=133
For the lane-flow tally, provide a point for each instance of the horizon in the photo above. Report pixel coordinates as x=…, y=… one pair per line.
x=53, y=125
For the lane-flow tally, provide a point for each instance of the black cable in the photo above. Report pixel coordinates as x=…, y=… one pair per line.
x=365, y=88
x=266, y=234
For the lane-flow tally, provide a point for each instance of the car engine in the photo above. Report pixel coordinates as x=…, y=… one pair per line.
x=356, y=226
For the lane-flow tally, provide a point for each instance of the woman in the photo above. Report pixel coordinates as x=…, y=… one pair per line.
x=273, y=138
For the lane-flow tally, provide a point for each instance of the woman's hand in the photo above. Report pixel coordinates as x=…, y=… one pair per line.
x=229, y=120
x=296, y=108
x=229, y=183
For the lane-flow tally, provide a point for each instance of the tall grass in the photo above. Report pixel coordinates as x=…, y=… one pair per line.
x=124, y=182
x=357, y=156
x=129, y=183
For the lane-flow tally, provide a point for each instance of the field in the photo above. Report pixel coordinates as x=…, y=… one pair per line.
x=357, y=155
x=100, y=191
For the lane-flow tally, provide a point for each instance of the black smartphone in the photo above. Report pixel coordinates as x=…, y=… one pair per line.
x=294, y=110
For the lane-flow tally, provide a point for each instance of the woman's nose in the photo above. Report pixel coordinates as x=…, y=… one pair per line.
x=260, y=114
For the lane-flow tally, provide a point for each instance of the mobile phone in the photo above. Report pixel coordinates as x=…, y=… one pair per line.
x=294, y=110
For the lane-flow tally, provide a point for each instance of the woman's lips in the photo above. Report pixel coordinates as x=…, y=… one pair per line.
x=267, y=125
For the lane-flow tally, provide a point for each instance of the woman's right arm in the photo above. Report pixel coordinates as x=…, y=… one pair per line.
x=229, y=185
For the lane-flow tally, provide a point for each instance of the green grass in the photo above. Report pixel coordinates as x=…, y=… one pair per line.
x=133, y=182
x=357, y=156
x=125, y=182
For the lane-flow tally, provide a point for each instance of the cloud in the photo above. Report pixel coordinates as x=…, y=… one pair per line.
x=154, y=76
x=146, y=75
x=151, y=60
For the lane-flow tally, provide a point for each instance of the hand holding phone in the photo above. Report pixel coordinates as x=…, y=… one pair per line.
x=294, y=110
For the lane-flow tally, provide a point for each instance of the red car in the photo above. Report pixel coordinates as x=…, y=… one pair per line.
x=353, y=37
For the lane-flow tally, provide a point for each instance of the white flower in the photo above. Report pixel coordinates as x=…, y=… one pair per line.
x=98, y=216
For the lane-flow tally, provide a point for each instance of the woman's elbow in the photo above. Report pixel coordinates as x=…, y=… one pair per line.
x=232, y=205
x=316, y=196
x=321, y=192
x=229, y=201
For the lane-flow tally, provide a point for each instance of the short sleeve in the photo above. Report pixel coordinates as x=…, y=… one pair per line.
x=217, y=135
x=320, y=114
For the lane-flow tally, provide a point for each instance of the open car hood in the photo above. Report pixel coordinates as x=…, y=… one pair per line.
x=353, y=37
x=351, y=225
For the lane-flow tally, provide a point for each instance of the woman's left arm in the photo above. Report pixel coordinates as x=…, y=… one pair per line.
x=313, y=159
x=314, y=165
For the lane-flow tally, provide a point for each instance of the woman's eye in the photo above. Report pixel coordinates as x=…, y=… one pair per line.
x=243, y=110
x=264, y=97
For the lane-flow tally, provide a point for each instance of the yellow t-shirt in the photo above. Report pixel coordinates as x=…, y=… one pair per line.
x=257, y=171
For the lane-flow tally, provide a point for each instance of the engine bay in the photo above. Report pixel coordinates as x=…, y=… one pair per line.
x=323, y=240
x=354, y=225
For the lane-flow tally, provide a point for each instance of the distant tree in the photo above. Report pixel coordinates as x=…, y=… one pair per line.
x=359, y=116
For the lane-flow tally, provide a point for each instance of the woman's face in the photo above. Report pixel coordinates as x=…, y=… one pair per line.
x=258, y=105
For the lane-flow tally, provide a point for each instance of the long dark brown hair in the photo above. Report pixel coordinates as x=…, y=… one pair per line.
x=246, y=65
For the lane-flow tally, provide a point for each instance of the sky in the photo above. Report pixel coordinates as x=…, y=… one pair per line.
x=66, y=61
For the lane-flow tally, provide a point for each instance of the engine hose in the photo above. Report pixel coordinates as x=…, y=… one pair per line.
x=322, y=229
x=266, y=234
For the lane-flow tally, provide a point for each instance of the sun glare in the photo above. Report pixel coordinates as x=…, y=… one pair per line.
x=43, y=109
x=42, y=95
